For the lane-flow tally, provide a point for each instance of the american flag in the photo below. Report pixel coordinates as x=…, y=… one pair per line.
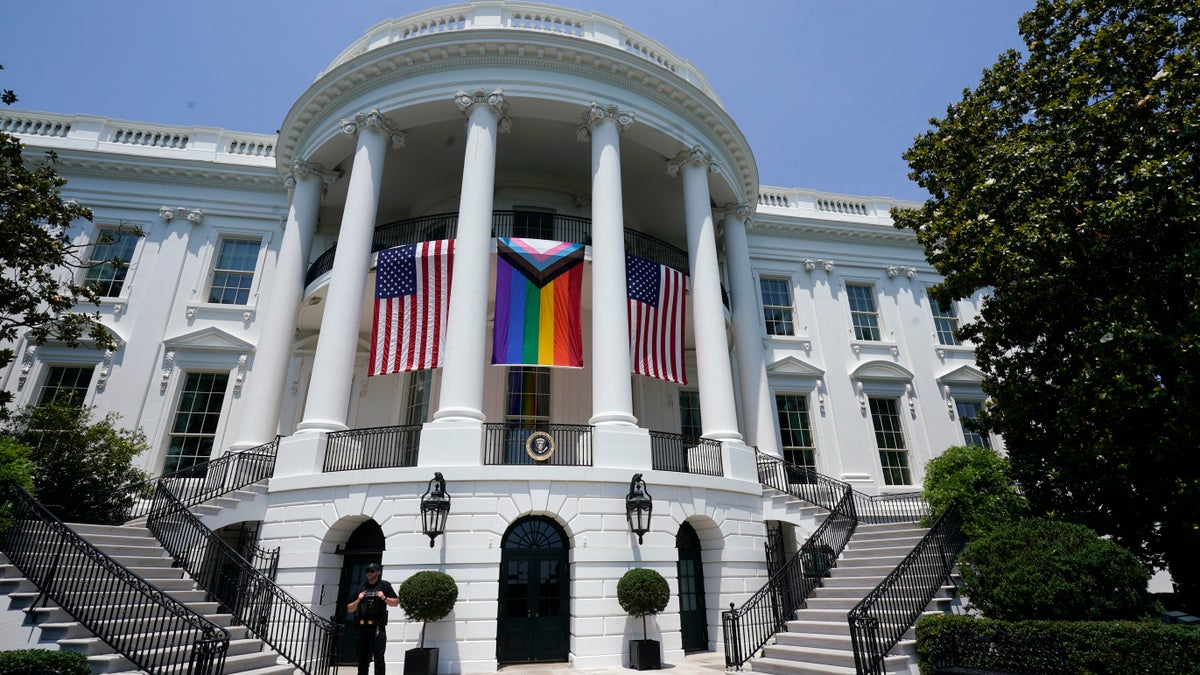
x=412, y=296
x=656, y=297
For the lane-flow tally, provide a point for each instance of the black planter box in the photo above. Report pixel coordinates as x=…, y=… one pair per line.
x=421, y=661
x=645, y=655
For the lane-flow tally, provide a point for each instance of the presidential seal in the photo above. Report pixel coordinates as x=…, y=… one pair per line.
x=539, y=446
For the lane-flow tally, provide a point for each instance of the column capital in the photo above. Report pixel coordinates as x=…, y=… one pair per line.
x=696, y=156
x=302, y=168
x=740, y=210
x=596, y=113
x=494, y=101
x=374, y=119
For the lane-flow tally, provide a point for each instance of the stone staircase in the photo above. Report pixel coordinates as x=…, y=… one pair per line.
x=817, y=641
x=134, y=547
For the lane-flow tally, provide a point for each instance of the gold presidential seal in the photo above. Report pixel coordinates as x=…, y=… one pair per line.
x=539, y=446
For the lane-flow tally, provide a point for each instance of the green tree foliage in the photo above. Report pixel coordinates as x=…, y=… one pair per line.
x=1065, y=186
x=37, y=289
x=1053, y=570
x=15, y=468
x=85, y=469
x=64, y=662
x=643, y=592
x=977, y=481
x=427, y=596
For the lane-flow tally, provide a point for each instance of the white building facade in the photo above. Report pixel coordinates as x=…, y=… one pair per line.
x=246, y=312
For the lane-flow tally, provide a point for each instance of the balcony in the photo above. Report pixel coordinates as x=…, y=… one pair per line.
x=533, y=225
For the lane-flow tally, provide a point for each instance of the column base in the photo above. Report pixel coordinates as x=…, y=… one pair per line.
x=724, y=436
x=457, y=415
x=621, y=447
x=325, y=426
x=614, y=419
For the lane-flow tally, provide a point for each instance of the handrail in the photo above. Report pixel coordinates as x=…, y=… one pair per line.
x=505, y=443
x=880, y=619
x=372, y=448
x=201, y=482
x=804, y=483
x=306, y=640
x=685, y=454
x=142, y=623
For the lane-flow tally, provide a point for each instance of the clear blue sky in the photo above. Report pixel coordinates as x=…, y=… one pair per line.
x=829, y=92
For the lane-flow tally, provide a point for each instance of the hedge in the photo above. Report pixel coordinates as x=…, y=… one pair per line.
x=67, y=663
x=1082, y=647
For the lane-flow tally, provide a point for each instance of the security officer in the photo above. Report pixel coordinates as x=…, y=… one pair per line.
x=371, y=601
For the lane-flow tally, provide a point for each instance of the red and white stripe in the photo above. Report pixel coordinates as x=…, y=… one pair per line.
x=410, y=331
x=656, y=334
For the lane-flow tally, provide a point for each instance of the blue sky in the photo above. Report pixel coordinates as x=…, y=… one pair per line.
x=829, y=92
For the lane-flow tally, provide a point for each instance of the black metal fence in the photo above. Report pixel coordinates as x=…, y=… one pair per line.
x=685, y=454
x=510, y=444
x=373, y=448
x=879, y=620
x=308, y=641
x=824, y=491
x=155, y=632
x=201, y=482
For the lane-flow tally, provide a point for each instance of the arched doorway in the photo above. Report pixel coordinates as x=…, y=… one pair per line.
x=693, y=614
x=534, y=621
x=365, y=546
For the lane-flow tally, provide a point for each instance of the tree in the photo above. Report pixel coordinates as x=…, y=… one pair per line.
x=977, y=480
x=1065, y=188
x=37, y=290
x=84, y=467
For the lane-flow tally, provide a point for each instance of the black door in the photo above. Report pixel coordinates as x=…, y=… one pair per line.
x=534, y=622
x=693, y=615
x=365, y=546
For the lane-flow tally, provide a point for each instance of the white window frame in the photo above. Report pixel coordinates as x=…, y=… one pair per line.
x=208, y=268
x=873, y=289
x=790, y=308
x=809, y=400
x=96, y=234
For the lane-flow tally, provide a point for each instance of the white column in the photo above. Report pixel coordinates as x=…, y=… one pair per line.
x=717, y=414
x=264, y=388
x=612, y=390
x=466, y=324
x=757, y=411
x=333, y=363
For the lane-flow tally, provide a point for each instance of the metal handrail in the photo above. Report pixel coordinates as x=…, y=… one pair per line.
x=504, y=443
x=157, y=633
x=306, y=640
x=880, y=619
x=201, y=482
x=685, y=454
x=373, y=448
x=824, y=491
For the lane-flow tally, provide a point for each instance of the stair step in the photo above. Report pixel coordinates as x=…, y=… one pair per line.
x=811, y=655
x=785, y=667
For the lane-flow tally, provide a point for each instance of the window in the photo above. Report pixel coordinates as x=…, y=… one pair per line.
x=533, y=224
x=777, y=305
x=968, y=416
x=65, y=385
x=945, y=322
x=109, y=261
x=863, y=314
x=689, y=413
x=795, y=434
x=234, y=271
x=889, y=437
x=418, y=396
x=528, y=396
x=195, y=428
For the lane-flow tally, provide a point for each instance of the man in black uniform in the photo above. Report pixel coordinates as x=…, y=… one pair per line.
x=370, y=605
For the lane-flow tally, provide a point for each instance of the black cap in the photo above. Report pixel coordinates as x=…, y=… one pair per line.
x=374, y=567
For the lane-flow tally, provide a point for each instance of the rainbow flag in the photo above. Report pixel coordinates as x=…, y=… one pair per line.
x=538, y=303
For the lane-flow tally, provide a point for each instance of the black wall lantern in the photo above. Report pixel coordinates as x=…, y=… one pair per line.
x=638, y=507
x=435, y=506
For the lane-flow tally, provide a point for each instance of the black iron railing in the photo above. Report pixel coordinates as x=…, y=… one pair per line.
x=308, y=641
x=824, y=491
x=155, y=632
x=685, y=454
x=553, y=226
x=879, y=620
x=510, y=444
x=374, y=448
x=201, y=482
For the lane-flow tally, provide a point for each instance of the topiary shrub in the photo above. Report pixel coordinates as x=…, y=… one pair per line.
x=428, y=596
x=1052, y=570
x=67, y=663
x=643, y=592
x=978, y=482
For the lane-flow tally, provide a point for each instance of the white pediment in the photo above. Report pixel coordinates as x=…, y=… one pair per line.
x=881, y=370
x=212, y=339
x=962, y=375
x=790, y=365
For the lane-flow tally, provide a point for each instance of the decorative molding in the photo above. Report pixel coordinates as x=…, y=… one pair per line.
x=910, y=396
x=168, y=367
x=295, y=386
x=300, y=168
x=495, y=101
x=374, y=119
x=894, y=271
x=695, y=156
x=811, y=265
x=247, y=316
x=240, y=377
x=862, y=396
x=950, y=406
x=738, y=210
x=895, y=352
x=195, y=216
x=105, y=369
x=597, y=113
x=118, y=309
x=821, y=397
x=190, y=313
x=26, y=366
x=167, y=213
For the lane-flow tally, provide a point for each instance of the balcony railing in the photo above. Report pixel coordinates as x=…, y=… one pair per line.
x=685, y=454
x=374, y=448
x=553, y=226
x=510, y=444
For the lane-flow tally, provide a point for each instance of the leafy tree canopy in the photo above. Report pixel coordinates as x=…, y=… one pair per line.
x=37, y=290
x=1065, y=186
x=977, y=480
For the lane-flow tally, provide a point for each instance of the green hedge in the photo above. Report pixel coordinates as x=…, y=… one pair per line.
x=67, y=663
x=1089, y=647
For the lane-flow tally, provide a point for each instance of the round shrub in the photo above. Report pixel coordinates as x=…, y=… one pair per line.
x=978, y=482
x=1051, y=570
x=428, y=595
x=643, y=592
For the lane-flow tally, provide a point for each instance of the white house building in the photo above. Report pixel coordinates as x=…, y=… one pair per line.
x=247, y=311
